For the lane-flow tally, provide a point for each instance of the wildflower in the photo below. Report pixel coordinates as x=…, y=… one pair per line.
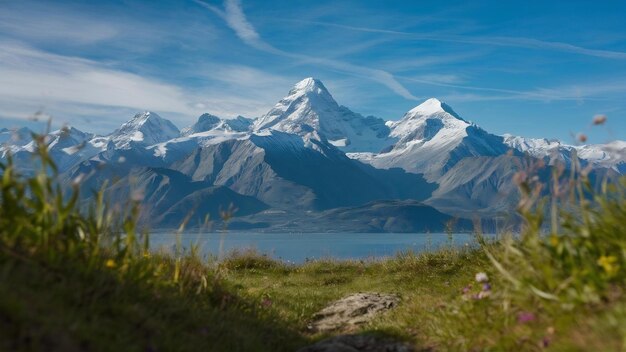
x=486, y=287
x=467, y=289
x=608, y=264
x=545, y=342
x=481, y=277
x=582, y=138
x=599, y=119
x=483, y=294
x=110, y=263
x=554, y=240
x=525, y=317
x=266, y=302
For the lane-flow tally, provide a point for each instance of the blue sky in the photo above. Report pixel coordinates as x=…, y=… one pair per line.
x=531, y=68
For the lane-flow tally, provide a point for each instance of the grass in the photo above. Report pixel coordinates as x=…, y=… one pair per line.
x=83, y=280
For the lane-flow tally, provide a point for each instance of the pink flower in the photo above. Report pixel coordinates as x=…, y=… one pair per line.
x=266, y=302
x=525, y=317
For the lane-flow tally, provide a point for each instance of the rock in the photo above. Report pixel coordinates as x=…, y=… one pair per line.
x=349, y=312
x=357, y=343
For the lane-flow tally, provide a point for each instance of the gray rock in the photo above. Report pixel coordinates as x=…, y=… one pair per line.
x=354, y=343
x=352, y=311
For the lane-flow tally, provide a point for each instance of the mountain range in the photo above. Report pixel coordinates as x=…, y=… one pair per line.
x=308, y=164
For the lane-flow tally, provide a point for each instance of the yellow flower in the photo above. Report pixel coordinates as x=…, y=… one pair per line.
x=110, y=263
x=554, y=240
x=608, y=264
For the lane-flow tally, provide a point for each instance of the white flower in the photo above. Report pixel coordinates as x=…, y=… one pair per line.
x=483, y=294
x=482, y=277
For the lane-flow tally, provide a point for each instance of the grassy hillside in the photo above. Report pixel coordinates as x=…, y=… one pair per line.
x=82, y=280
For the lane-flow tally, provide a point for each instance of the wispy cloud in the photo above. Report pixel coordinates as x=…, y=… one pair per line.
x=235, y=18
x=40, y=22
x=608, y=91
x=74, y=90
x=34, y=74
x=521, y=42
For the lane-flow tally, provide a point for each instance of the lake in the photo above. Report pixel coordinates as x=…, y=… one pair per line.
x=300, y=247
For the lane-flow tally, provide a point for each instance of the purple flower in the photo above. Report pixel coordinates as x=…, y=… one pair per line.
x=466, y=289
x=525, y=317
x=486, y=287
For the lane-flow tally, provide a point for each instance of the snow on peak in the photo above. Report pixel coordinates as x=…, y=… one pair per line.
x=301, y=106
x=15, y=137
x=432, y=106
x=145, y=128
x=309, y=107
x=309, y=85
x=208, y=122
x=427, y=120
x=609, y=155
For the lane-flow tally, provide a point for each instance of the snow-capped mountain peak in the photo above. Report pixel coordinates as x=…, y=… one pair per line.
x=310, y=107
x=208, y=122
x=302, y=106
x=431, y=139
x=610, y=155
x=16, y=137
x=426, y=120
x=145, y=128
x=309, y=85
x=432, y=106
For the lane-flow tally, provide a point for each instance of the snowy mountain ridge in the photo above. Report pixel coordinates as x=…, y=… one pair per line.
x=308, y=153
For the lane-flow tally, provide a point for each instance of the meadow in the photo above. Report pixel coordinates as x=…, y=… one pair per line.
x=76, y=278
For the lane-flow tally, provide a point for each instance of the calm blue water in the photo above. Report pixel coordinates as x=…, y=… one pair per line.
x=298, y=247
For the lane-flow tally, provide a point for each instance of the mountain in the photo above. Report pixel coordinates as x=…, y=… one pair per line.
x=479, y=187
x=391, y=216
x=288, y=171
x=611, y=155
x=208, y=122
x=144, y=129
x=15, y=137
x=69, y=145
x=432, y=138
x=309, y=163
x=169, y=197
x=310, y=107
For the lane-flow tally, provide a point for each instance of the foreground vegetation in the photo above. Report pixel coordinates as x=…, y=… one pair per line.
x=76, y=280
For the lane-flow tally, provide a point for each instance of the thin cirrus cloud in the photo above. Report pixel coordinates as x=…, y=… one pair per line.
x=28, y=73
x=521, y=42
x=235, y=18
x=46, y=24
